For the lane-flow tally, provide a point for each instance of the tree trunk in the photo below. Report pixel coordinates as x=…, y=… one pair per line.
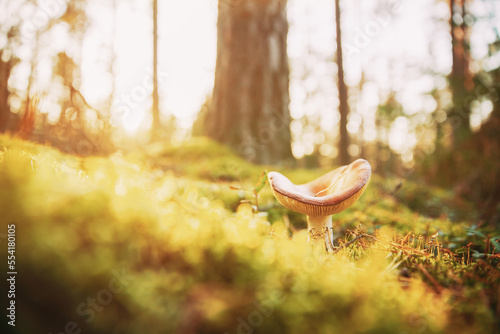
x=26, y=124
x=5, y=70
x=461, y=80
x=156, y=108
x=343, y=103
x=249, y=110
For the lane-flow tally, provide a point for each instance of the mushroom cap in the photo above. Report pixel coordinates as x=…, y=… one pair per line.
x=331, y=193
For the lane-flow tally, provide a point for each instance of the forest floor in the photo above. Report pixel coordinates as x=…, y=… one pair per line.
x=167, y=240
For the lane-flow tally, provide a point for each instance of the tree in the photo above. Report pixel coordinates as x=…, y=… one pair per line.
x=343, y=103
x=461, y=78
x=156, y=108
x=249, y=110
x=6, y=66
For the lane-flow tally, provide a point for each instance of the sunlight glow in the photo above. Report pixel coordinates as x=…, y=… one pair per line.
x=132, y=121
x=394, y=47
x=480, y=111
x=401, y=138
x=186, y=59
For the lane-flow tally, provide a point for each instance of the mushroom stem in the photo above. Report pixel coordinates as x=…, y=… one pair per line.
x=318, y=223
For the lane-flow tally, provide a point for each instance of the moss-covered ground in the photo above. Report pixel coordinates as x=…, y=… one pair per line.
x=167, y=240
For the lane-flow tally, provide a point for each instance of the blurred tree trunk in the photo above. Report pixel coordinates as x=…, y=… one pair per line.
x=5, y=70
x=8, y=60
x=30, y=113
x=343, y=103
x=156, y=108
x=249, y=110
x=461, y=80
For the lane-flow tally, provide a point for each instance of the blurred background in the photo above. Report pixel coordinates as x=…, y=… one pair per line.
x=411, y=86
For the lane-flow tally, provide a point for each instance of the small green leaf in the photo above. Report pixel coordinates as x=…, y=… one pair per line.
x=476, y=232
x=261, y=183
x=496, y=244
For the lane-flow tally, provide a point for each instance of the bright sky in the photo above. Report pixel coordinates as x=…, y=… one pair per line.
x=186, y=58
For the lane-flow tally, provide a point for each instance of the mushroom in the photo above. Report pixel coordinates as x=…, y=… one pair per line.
x=319, y=199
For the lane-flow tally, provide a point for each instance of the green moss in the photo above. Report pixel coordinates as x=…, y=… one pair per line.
x=161, y=243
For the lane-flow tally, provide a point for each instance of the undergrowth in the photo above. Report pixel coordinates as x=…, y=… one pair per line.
x=171, y=240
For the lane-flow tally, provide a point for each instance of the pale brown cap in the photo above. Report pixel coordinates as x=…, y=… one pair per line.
x=331, y=193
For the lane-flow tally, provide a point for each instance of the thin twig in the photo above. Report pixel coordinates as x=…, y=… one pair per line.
x=434, y=282
x=396, y=245
x=335, y=251
x=387, y=194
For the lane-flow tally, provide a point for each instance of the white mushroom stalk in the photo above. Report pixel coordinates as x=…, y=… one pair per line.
x=321, y=198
